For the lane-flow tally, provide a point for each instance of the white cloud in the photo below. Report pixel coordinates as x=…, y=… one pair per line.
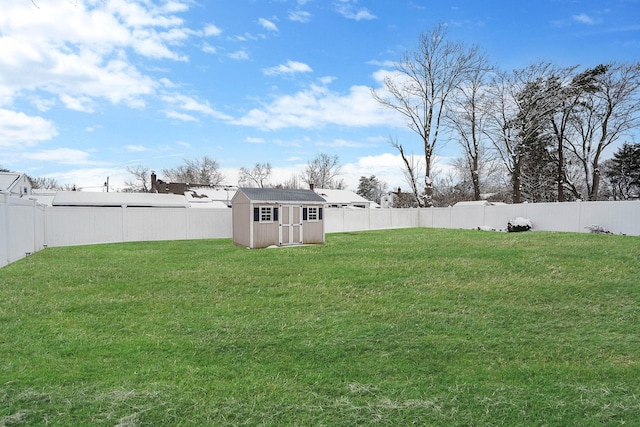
x=583, y=18
x=136, y=148
x=44, y=105
x=79, y=50
x=386, y=64
x=239, y=55
x=342, y=143
x=388, y=167
x=268, y=25
x=291, y=67
x=191, y=105
x=350, y=10
x=180, y=116
x=317, y=106
x=207, y=48
x=68, y=156
x=92, y=179
x=81, y=103
x=19, y=130
x=254, y=140
x=212, y=30
x=299, y=16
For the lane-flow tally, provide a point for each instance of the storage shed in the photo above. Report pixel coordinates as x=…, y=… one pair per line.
x=264, y=217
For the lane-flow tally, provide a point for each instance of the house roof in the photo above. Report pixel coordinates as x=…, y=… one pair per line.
x=8, y=180
x=87, y=198
x=342, y=197
x=478, y=203
x=220, y=194
x=280, y=195
x=473, y=203
x=211, y=204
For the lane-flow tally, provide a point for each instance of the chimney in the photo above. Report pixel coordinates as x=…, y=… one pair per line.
x=154, y=183
x=311, y=186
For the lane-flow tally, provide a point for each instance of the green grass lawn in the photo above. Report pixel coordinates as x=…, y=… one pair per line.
x=395, y=328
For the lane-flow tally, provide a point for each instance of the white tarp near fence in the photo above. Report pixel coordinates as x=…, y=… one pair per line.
x=27, y=227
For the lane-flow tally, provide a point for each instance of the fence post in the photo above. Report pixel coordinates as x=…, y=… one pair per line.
x=124, y=223
x=7, y=228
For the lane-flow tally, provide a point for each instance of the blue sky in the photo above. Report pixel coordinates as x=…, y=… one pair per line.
x=89, y=87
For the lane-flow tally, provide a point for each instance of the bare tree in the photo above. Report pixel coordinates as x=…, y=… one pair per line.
x=44, y=183
x=420, y=89
x=139, y=183
x=608, y=114
x=203, y=171
x=323, y=172
x=293, y=182
x=254, y=177
x=467, y=119
x=411, y=169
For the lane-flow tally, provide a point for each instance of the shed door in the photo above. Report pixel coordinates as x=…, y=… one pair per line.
x=290, y=225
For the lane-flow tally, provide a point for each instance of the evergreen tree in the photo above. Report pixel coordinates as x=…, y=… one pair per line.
x=623, y=172
x=371, y=188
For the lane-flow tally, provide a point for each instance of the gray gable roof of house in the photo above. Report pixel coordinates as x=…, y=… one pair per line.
x=281, y=195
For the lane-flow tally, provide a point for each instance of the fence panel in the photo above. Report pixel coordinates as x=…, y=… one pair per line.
x=498, y=216
x=147, y=224
x=68, y=226
x=403, y=218
x=467, y=216
x=616, y=217
x=19, y=222
x=441, y=217
x=209, y=223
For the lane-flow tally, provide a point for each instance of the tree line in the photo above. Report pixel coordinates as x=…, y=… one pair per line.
x=540, y=130
x=323, y=171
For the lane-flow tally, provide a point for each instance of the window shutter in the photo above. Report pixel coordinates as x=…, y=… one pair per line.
x=320, y=214
x=256, y=214
x=304, y=214
x=275, y=214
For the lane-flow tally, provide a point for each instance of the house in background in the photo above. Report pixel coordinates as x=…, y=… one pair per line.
x=264, y=217
x=344, y=199
x=197, y=194
x=219, y=194
x=15, y=183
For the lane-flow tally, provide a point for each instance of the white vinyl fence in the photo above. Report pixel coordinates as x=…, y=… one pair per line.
x=618, y=217
x=22, y=229
x=26, y=227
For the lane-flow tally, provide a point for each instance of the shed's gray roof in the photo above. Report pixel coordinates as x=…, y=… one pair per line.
x=281, y=195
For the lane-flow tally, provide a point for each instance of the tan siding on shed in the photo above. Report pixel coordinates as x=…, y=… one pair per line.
x=241, y=223
x=313, y=231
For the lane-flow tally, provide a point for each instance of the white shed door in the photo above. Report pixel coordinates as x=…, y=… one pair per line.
x=290, y=225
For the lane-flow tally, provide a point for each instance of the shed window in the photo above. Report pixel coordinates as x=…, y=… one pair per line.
x=265, y=214
x=312, y=214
